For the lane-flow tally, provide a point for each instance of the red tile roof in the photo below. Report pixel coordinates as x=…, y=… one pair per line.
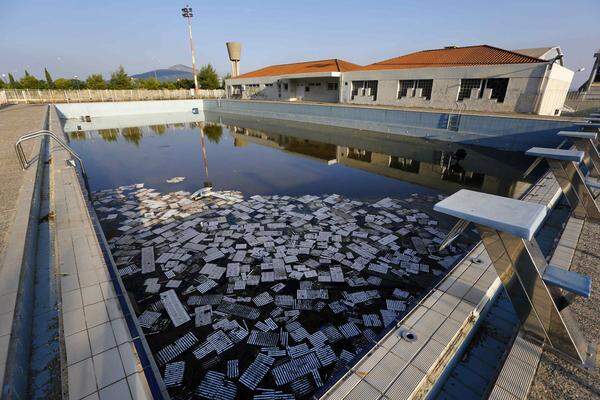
x=333, y=65
x=454, y=57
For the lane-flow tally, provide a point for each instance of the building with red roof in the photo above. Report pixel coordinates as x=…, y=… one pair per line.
x=472, y=78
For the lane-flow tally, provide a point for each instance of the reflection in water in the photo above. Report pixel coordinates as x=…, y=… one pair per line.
x=78, y=135
x=207, y=183
x=132, y=135
x=262, y=157
x=213, y=132
x=448, y=170
x=405, y=164
x=109, y=135
x=159, y=129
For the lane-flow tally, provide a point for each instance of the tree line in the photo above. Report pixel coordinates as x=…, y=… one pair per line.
x=119, y=80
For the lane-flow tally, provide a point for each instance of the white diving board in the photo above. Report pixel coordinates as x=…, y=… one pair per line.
x=588, y=124
x=519, y=218
x=578, y=134
x=570, y=281
x=556, y=154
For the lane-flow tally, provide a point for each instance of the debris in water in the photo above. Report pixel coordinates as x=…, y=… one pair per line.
x=268, y=296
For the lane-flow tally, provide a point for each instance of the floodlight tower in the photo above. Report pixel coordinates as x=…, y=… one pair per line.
x=186, y=12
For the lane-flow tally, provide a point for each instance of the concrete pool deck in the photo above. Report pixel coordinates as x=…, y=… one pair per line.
x=93, y=348
x=101, y=349
x=98, y=367
x=18, y=202
x=14, y=121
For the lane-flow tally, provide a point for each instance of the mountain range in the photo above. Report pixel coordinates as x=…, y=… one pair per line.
x=172, y=73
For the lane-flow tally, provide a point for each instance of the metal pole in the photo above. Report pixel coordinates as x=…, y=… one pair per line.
x=193, y=55
x=187, y=13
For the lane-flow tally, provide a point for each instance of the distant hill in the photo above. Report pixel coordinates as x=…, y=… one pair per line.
x=173, y=73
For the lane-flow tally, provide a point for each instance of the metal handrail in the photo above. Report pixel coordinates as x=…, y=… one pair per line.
x=23, y=158
x=44, y=132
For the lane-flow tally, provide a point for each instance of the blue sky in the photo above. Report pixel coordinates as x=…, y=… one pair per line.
x=83, y=37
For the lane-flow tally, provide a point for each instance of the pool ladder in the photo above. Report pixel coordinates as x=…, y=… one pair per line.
x=42, y=133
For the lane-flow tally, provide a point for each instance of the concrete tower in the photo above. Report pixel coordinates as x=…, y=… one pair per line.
x=235, y=52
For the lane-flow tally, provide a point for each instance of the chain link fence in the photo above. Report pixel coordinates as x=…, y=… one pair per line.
x=32, y=96
x=581, y=104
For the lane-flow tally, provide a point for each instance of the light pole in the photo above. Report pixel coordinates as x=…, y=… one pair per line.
x=186, y=12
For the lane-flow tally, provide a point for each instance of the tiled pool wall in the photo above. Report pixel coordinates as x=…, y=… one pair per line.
x=502, y=132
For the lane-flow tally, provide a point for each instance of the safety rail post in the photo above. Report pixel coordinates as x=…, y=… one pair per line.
x=32, y=135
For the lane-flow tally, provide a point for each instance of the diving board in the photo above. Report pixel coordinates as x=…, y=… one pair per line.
x=507, y=227
x=564, y=165
x=588, y=143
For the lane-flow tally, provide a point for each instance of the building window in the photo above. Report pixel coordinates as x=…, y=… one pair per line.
x=236, y=89
x=285, y=86
x=466, y=85
x=425, y=85
x=307, y=88
x=252, y=85
x=498, y=86
x=268, y=84
x=332, y=86
x=364, y=88
x=407, y=88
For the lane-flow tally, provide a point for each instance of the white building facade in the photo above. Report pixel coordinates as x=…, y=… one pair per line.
x=475, y=78
x=524, y=88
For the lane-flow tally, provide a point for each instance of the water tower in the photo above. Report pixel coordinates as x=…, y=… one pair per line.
x=235, y=52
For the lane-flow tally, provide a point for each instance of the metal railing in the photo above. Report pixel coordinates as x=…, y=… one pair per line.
x=32, y=135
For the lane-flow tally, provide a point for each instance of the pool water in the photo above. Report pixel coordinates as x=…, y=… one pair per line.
x=264, y=157
x=311, y=244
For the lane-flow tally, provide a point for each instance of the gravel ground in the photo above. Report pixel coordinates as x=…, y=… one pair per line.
x=555, y=378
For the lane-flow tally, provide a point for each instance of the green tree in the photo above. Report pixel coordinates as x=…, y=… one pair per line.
x=29, y=82
x=184, y=84
x=96, y=82
x=169, y=85
x=77, y=84
x=150, y=83
x=208, y=78
x=11, y=82
x=2, y=84
x=120, y=80
x=63, y=84
x=49, y=81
